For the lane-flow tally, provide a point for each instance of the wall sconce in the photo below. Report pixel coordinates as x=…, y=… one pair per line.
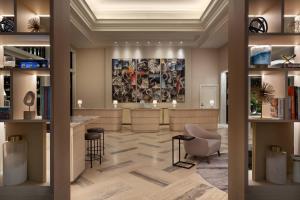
x=79, y=102
x=174, y=103
x=115, y=103
x=154, y=103
x=212, y=103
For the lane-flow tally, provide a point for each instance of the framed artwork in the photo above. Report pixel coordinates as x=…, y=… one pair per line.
x=134, y=80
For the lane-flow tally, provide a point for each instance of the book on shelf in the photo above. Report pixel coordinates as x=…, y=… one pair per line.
x=293, y=103
x=45, y=98
x=278, y=108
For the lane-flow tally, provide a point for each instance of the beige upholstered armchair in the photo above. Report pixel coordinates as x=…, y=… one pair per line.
x=205, y=143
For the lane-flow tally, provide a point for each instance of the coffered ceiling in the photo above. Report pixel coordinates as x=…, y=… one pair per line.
x=196, y=23
x=148, y=9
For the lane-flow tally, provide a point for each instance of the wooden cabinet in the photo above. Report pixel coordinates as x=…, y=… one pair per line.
x=77, y=148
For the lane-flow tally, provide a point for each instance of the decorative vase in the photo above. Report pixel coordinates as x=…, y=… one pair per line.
x=15, y=161
x=296, y=169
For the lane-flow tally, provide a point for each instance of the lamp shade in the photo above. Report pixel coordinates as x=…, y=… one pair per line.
x=174, y=102
x=212, y=103
x=79, y=102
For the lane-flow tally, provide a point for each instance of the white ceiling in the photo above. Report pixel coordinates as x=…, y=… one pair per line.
x=148, y=9
x=98, y=23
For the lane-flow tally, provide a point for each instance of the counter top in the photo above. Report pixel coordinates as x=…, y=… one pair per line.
x=79, y=120
x=111, y=108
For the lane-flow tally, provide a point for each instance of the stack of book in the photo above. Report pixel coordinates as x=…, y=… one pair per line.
x=294, y=103
x=277, y=108
x=46, y=102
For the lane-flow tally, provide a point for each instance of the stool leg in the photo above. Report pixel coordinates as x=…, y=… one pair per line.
x=100, y=154
x=91, y=153
x=103, y=143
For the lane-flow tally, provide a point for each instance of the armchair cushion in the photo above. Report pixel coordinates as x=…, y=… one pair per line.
x=198, y=132
x=205, y=143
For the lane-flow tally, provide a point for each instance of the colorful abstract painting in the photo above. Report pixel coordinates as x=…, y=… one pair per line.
x=148, y=79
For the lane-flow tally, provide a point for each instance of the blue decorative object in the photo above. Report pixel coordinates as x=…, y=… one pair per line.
x=32, y=64
x=260, y=55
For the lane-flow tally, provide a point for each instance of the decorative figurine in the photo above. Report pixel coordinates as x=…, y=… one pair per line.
x=29, y=100
x=258, y=25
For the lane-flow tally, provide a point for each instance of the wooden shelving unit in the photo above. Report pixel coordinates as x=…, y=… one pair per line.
x=268, y=131
x=22, y=81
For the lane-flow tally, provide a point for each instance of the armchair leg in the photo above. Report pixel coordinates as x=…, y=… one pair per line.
x=186, y=155
x=219, y=154
x=207, y=160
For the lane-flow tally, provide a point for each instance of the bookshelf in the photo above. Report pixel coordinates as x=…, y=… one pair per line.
x=266, y=130
x=16, y=81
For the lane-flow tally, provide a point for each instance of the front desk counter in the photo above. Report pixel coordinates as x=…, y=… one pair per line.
x=206, y=118
x=145, y=120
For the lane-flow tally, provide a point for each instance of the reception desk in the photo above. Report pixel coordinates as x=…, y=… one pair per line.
x=145, y=120
x=108, y=118
x=206, y=118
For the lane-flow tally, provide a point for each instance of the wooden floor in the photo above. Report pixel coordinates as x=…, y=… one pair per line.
x=138, y=167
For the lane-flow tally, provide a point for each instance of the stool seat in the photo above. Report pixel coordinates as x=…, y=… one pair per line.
x=97, y=130
x=92, y=136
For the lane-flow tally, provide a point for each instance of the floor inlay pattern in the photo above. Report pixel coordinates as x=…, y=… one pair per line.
x=138, y=166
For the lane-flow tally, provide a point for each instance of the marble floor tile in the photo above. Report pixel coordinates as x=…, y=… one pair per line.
x=139, y=167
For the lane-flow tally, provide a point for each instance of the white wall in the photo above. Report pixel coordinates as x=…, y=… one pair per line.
x=94, y=67
x=90, y=77
x=204, y=71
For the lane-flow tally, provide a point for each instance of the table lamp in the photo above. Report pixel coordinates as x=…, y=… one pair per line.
x=212, y=103
x=115, y=103
x=154, y=103
x=79, y=102
x=174, y=103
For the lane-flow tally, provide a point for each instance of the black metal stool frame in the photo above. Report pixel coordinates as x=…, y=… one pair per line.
x=100, y=136
x=93, y=150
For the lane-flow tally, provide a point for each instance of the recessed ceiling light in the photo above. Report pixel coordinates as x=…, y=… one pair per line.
x=181, y=42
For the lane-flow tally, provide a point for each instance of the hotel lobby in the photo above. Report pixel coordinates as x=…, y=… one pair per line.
x=149, y=100
x=144, y=84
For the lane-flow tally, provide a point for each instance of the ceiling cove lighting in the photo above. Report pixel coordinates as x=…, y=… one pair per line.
x=276, y=45
x=146, y=9
x=26, y=45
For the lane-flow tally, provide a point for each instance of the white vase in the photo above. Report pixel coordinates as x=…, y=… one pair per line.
x=296, y=169
x=276, y=167
x=14, y=162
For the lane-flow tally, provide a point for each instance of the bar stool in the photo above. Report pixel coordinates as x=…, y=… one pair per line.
x=93, y=143
x=100, y=131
